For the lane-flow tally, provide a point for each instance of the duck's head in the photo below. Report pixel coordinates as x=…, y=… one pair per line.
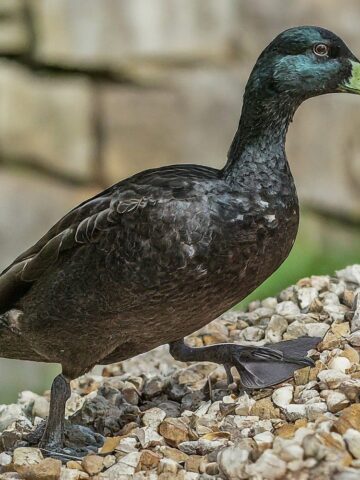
x=304, y=62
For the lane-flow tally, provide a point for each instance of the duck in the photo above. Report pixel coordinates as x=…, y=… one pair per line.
x=159, y=255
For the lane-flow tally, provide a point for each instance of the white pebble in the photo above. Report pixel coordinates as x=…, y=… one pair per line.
x=268, y=466
x=306, y=295
x=314, y=410
x=283, y=396
x=340, y=363
x=352, y=439
x=294, y=411
x=316, y=329
x=264, y=438
x=332, y=378
x=288, y=309
x=232, y=461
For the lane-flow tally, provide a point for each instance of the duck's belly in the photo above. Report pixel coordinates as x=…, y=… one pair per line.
x=191, y=301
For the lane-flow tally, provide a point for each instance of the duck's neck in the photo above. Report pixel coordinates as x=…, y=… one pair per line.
x=258, y=148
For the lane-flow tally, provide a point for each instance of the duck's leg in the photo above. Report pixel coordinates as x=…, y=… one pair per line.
x=259, y=367
x=53, y=437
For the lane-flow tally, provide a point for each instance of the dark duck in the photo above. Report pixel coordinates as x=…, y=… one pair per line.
x=159, y=255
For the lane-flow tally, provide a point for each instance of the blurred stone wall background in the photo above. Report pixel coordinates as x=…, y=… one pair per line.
x=92, y=91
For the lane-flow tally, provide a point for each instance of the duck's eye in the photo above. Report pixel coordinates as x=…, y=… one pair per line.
x=321, y=49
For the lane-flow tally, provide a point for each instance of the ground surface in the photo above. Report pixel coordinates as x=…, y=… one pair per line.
x=167, y=420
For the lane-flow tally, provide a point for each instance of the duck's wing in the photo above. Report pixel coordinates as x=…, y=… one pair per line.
x=82, y=225
x=91, y=220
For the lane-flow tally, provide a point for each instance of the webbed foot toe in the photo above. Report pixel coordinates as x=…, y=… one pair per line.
x=261, y=367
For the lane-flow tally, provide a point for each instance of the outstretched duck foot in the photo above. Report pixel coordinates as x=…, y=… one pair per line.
x=79, y=441
x=65, y=454
x=258, y=367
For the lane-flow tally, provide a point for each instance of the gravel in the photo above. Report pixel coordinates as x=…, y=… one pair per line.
x=161, y=419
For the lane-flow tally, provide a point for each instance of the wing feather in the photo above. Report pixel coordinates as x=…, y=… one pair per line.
x=82, y=225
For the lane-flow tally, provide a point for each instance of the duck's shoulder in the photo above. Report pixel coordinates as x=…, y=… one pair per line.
x=173, y=180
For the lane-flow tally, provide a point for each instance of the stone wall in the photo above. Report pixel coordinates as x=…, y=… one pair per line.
x=92, y=91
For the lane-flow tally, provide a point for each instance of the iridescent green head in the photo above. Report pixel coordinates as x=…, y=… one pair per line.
x=305, y=62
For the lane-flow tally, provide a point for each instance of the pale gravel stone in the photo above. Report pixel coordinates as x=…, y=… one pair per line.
x=296, y=329
x=201, y=447
x=350, y=274
x=27, y=456
x=313, y=447
x=269, y=302
x=253, y=334
x=276, y=327
x=355, y=320
x=329, y=299
x=320, y=282
x=263, y=312
x=294, y=411
x=244, y=404
x=8, y=414
x=191, y=476
x=354, y=339
x=302, y=433
x=337, y=401
x=308, y=395
x=288, y=295
x=148, y=437
x=38, y=405
x=264, y=438
x=232, y=461
x=314, y=410
x=288, y=309
x=127, y=445
x=347, y=474
x=340, y=363
x=316, y=329
x=167, y=465
x=352, y=439
x=153, y=417
x=5, y=459
x=283, y=396
x=243, y=422
x=351, y=388
x=291, y=452
x=125, y=466
x=109, y=461
x=203, y=409
x=70, y=474
x=332, y=378
x=268, y=466
x=306, y=295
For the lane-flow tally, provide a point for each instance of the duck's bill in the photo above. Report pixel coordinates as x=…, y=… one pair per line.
x=352, y=84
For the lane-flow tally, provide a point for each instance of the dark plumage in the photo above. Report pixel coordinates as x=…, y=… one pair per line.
x=160, y=254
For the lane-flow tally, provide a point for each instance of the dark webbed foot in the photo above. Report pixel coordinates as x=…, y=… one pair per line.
x=259, y=367
x=65, y=454
x=78, y=441
x=62, y=441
